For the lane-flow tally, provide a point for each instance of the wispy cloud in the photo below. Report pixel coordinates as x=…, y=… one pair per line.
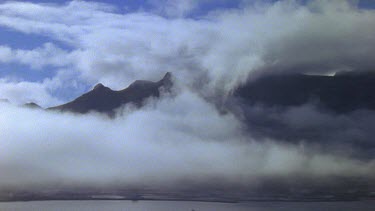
x=39, y=58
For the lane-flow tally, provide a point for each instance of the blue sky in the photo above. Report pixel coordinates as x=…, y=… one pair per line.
x=63, y=48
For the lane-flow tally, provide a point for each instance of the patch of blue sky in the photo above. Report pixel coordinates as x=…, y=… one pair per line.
x=27, y=41
x=368, y=4
x=209, y=6
x=19, y=40
x=20, y=72
x=69, y=93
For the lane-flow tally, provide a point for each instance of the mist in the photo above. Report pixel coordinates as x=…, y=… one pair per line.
x=344, y=133
x=177, y=142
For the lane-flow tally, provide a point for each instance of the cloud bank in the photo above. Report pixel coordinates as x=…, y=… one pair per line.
x=164, y=145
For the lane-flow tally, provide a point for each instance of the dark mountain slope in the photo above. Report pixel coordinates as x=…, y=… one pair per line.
x=32, y=105
x=103, y=99
x=335, y=113
x=340, y=93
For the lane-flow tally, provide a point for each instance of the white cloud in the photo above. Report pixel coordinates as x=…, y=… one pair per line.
x=173, y=140
x=38, y=58
x=5, y=54
x=21, y=92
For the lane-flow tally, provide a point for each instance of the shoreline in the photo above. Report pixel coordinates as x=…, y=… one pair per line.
x=189, y=200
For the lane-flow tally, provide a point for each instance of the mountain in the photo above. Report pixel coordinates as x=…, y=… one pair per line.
x=340, y=93
x=32, y=105
x=105, y=100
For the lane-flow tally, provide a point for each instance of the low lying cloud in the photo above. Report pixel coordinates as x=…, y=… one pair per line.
x=348, y=134
x=170, y=141
x=26, y=92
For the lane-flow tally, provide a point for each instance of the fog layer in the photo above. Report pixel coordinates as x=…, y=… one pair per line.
x=170, y=141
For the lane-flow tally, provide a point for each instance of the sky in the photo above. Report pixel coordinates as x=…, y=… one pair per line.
x=53, y=51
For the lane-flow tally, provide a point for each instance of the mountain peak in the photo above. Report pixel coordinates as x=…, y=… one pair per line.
x=32, y=105
x=167, y=76
x=99, y=86
x=106, y=100
x=166, y=81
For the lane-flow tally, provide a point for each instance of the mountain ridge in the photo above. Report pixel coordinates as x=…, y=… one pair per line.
x=105, y=100
x=341, y=93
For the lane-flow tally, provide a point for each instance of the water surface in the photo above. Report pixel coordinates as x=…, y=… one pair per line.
x=188, y=206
